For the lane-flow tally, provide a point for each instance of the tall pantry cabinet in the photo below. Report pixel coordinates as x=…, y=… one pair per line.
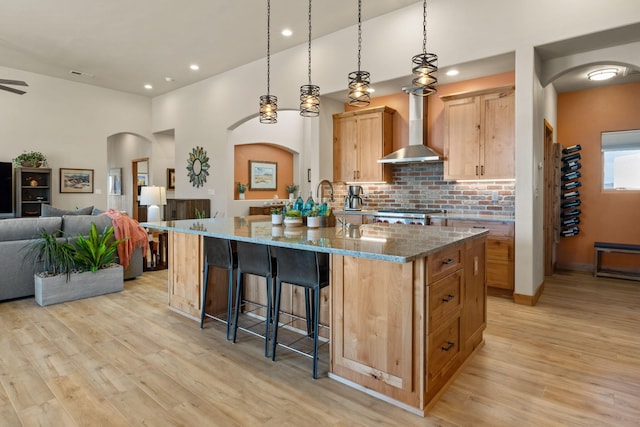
x=480, y=134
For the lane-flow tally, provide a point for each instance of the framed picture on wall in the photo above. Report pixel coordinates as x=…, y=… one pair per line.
x=76, y=180
x=115, y=182
x=263, y=175
x=171, y=179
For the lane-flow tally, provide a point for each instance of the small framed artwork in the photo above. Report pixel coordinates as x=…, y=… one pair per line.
x=143, y=179
x=171, y=179
x=76, y=180
x=263, y=175
x=115, y=182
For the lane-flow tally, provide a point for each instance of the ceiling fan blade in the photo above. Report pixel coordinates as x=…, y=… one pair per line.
x=13, y=82
x=10, y=89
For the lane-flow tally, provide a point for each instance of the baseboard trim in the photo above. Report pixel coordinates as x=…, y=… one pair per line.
x=529, y=299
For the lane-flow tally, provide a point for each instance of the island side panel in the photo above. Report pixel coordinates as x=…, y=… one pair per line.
x=376, y=326
x=185, y=273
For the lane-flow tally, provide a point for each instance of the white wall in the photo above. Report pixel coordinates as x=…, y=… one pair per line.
x=70, y=123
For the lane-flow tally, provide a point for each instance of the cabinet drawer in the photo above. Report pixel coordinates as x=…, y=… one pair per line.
x=496, y=228
x=500, y=248
x=445, y=262
x=444, y=345
x=445, y=296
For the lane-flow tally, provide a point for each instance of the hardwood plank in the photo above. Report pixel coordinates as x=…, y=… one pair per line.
x=126, y=359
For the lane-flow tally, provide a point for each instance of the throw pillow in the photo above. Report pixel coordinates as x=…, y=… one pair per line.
x=48, y=210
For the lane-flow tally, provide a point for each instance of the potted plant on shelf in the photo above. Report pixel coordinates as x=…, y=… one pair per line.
x=276, y=216
x=30, y=159
x=292, y=218
x=291, y=189
x=241, y=189
x=81, y=269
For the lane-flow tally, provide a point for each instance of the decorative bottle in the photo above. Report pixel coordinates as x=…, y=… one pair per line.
x=299, y=204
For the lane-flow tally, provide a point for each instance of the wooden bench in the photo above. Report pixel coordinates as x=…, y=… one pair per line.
x=602, y=247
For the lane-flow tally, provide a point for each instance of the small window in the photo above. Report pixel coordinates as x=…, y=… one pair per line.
x=621, y=160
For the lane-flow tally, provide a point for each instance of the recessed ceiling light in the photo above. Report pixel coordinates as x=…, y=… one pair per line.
x=370, y=89
x=453, y=72
x=194, y=67
x=287, y=32
x=148, y=87
x=169, y=79
x=603, y=74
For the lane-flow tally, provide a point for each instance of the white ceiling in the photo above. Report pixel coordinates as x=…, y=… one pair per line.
x=124, y=44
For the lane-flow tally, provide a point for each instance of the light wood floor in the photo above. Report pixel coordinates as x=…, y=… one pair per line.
x=126, y=360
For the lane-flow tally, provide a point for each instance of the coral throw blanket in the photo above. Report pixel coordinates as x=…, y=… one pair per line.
x=124, y=226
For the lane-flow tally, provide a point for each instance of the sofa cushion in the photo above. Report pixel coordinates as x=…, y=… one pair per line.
x=48, y=210
x=27, y=228
x=73, y=225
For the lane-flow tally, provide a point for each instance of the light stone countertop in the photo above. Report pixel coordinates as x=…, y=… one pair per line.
x=385, y=242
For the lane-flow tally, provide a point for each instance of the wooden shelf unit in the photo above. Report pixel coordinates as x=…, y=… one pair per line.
x=33, y=188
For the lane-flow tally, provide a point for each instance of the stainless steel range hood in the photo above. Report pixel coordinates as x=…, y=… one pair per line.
x=416, y=151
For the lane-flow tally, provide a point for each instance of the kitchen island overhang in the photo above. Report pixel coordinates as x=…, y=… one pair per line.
x=407, y=303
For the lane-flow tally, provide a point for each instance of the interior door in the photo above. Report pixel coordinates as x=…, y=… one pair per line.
x=140, y=174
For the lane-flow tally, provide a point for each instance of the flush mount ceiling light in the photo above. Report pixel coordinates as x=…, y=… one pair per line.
x=268, y=112
x=309, y=93
x=359, y=81
x=426, y=64
x=603, y=74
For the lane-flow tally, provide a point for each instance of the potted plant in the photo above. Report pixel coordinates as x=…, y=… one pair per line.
x=241, y=189
x=30, y=159
x=276, y=216
x=292, y=218
x=313, y=220
x=291, y=189
x=81, y=269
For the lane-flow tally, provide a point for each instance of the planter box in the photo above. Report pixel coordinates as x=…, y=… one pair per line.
x=56, y=289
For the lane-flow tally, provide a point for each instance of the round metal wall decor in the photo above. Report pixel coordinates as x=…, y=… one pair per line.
x=198, y=166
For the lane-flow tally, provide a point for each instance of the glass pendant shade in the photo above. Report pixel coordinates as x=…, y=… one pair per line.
x=268, y=109
x=359, y=82
x=309, y=100
x=424, y=79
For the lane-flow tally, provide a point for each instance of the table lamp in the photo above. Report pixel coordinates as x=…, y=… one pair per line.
x=152, y=197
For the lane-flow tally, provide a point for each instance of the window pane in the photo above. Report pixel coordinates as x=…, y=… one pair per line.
x=621, y=169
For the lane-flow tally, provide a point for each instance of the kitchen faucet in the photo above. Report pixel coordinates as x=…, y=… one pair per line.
x=325, y=181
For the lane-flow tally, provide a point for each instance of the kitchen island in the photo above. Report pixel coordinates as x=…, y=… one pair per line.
x=407, y=303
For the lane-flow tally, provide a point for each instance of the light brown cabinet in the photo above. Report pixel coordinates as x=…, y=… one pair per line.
x=500, y=250
x=479, y=136
x=360, y=138
x=33, y=188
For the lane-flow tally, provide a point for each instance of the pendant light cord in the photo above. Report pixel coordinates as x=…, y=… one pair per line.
x=268, y=47
x=359, y=31
x=424, y=27
x=309, y=49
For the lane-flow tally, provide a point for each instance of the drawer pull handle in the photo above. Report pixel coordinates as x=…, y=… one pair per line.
x=448, y=347
x=479, y=226
x=448, y=298
x=449, y=261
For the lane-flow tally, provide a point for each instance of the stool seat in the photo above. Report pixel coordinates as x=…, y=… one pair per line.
x=256, y=259
x=218, y=253
x=309, y=270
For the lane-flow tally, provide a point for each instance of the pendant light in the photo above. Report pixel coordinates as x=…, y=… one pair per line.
x=268, y=103
x=309, y=93
x=425, y=64
x=359, y=81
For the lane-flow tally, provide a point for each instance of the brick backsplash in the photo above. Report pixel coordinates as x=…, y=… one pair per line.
x=421, y=186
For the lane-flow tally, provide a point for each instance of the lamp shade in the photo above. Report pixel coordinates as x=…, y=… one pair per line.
x=152, y=195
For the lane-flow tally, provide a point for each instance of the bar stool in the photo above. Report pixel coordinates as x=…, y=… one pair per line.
x=254, y=258
x=218, y=253
x=307, y=269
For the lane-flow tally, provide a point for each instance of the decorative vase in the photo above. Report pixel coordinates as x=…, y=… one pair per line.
x=241, y=196
x=33, y=183
x=276, y=219
x=291, y=197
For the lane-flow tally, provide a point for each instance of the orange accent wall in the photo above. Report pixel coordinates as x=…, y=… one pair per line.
x=606, y=216
x=262, y=153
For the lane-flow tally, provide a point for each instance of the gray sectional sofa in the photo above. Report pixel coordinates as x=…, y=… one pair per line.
x=17, y=268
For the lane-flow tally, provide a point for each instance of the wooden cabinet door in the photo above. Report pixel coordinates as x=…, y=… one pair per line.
x=462, y=138
x=370, y=147
x=497, y=154
x=345, y=137
x=474, y=311
x=185, y=273
x=372, y=324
